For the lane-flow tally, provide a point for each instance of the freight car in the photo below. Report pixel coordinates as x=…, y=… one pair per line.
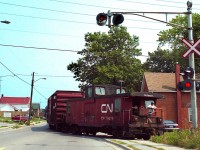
x=57, y=107
x=109, y=109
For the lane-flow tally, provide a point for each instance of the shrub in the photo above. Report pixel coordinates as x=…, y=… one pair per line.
x=189, y=139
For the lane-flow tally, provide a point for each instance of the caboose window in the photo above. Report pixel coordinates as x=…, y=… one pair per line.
x=89, y=92
x=100, y=90
x=118, y=105
x=118, y=91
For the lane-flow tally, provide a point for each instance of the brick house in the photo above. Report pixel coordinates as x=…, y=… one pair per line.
x=177, y=105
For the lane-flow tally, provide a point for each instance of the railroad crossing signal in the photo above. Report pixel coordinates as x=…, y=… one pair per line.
x=188, y=83
x=192, y=47
x=103, y=17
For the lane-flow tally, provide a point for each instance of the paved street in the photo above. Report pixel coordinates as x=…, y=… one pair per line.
x=40, y=137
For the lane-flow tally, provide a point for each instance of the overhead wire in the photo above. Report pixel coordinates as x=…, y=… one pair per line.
x=40, y=48
x=142, y=28
x=15, y=75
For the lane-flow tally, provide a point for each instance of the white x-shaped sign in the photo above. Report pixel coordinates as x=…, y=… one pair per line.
x=192, y=48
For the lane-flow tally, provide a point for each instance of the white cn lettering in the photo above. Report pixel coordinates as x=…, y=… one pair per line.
x=106, y=107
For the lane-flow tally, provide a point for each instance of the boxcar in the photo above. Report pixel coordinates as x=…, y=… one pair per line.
x=57, y=107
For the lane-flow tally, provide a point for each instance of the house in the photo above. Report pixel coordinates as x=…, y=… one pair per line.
x=36, y=109
x=10, y=106
x=177, y=104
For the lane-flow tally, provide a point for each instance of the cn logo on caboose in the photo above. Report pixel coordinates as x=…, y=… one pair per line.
x=105, y=108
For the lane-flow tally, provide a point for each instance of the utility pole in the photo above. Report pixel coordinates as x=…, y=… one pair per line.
x=192, y=65
x=30, y=109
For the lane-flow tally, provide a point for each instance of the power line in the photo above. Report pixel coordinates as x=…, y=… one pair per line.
x=42, y=33
x=45, y=9
x=173, y=2
x=45, y=18
x=14, y=73
x=40, y=93
x=48, y=76
x=139, y=2
x=90, y=5
x=41, y=48
x=63, y=20
x=154, y=4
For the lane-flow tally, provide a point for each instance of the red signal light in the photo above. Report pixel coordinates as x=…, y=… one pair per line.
x=188, y=84
x=101, y=19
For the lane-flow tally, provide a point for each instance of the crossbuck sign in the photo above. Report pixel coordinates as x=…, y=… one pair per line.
x=192, y=48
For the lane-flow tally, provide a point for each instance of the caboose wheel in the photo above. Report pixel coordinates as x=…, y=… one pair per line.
x=117, y=134
x=146, y=137
x=94, y=133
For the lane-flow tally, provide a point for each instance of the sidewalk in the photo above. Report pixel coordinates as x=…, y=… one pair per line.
x=4, y=125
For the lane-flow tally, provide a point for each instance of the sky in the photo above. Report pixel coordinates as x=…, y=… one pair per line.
x=55, y=29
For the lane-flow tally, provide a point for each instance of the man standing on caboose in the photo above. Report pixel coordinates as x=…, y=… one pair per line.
x=151, y=108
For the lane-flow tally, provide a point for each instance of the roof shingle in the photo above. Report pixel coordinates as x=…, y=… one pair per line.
x=160, y=82
x=14, y=100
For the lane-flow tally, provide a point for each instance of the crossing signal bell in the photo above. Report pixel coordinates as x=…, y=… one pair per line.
x=188, y=83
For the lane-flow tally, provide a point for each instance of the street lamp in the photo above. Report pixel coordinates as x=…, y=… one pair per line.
x=6, y=22
x=32, y=85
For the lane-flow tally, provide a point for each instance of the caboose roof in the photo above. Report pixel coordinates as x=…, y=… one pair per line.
x=147, y=95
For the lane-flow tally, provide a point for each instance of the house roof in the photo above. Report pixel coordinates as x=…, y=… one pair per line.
x=159, y=82
x=14, y=100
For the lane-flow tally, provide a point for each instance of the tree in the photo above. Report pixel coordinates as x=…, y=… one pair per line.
x=108, y=58
x=163, y=60
x=159, y=61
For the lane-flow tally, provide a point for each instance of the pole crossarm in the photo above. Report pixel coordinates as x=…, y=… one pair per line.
x=141, y=14
x=149, y=12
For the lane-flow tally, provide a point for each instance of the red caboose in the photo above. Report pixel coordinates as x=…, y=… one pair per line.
x=108, y=109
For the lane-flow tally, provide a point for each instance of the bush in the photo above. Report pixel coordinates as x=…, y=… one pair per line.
x=189, y=139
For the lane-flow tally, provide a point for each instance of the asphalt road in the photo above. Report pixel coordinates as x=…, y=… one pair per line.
x=40, y=137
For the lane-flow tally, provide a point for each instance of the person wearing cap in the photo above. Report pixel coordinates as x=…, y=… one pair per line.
x=151, y=108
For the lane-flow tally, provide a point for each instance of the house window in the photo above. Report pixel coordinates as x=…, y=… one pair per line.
x=190, y=114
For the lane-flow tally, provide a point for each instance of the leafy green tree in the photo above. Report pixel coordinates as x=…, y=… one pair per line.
x=159, y=61
x=163, y=60
x=108, y=58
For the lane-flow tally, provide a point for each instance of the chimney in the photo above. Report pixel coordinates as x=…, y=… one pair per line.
x=178, y=96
